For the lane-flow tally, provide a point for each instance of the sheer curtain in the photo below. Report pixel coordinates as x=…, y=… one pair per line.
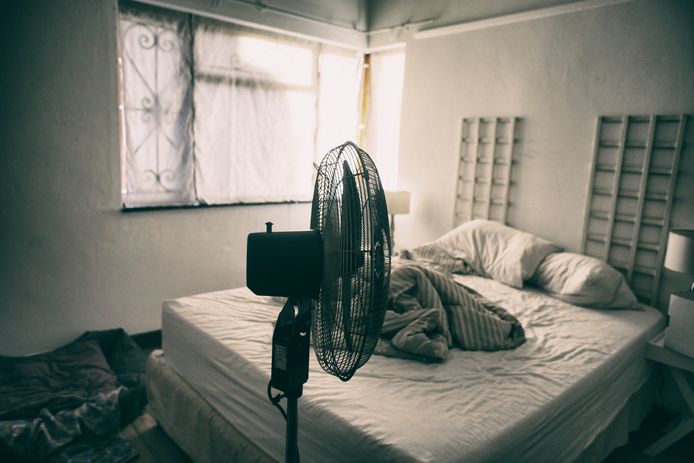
x=339, y=87
x=156, y=108
x=255, y=102
x=385, y=98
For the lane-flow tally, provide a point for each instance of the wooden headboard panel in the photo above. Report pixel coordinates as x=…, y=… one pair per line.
x=632, y=184
x=484, y=168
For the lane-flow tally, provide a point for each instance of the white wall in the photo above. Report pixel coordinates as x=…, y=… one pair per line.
x=70, y=261
x=558, y=74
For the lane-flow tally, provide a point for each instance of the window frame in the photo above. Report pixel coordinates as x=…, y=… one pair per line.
x=191, y=18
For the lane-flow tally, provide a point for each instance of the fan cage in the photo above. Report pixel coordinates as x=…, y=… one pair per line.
x=349, y=209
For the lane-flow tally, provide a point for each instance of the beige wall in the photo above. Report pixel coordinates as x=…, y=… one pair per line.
x=557, y=74
x=70, y=260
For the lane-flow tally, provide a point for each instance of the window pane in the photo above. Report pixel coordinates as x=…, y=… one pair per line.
x=156, y=102
x=255, y=117
x=217, y=113
x=254, y=144
x=234, y=51
x=383, y=133
x=338, y=116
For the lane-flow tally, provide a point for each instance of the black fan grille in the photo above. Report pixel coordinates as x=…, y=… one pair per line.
x=349, y=209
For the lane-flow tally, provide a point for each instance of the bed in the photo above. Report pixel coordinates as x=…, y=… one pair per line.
x=571, y=392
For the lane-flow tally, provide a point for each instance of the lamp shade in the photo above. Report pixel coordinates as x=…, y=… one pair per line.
x=398, y=202
x=680, y=251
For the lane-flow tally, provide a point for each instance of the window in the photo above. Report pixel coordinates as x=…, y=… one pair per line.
x=387, y=70
x=213, y=113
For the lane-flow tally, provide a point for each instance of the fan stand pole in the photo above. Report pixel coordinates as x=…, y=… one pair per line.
x=290, y=352
x=291, y=448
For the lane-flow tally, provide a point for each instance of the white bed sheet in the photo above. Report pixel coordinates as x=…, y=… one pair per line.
x=544, y=401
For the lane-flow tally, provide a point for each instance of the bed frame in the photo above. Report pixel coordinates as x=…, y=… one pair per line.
x=207, y=437
x=630, y=195
x=482, y=191
x=192, y=423
x=484, y=168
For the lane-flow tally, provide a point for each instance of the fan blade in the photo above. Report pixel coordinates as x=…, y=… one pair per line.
x=332, y=265
x=351, y=221
x=351, y=246
x=347, y=311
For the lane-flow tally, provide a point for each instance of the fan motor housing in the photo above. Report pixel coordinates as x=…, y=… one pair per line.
x=285, y=263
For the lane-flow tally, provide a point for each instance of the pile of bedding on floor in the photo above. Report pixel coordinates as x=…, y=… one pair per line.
x=69, y=404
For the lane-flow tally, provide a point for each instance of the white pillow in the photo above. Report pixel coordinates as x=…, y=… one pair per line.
x=584, y=280
x=494, y=250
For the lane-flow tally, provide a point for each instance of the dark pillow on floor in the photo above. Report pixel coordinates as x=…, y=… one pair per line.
x=127, y=361
x=123, y=355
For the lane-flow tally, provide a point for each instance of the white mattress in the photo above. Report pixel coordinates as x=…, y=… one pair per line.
x=544, y=401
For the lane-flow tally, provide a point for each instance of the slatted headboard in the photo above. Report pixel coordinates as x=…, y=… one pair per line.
x=632, y=184
x=484, y=168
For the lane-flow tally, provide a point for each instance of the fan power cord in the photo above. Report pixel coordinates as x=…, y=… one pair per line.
x=275, y=400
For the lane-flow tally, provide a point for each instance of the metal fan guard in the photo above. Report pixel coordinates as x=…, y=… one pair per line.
x=349, y=314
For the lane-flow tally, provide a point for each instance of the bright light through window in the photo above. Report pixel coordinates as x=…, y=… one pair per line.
x=383, y=121
x=214, y=113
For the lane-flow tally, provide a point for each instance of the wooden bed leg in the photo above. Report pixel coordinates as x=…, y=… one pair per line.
x=685, y=427
x=686, y=424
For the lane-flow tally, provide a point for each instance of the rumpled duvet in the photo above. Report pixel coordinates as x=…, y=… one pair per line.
x=429, y=313
x=69, y=404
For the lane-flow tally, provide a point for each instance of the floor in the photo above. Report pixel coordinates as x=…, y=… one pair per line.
x=152, y=443
x=650, y=431
x=154, y=446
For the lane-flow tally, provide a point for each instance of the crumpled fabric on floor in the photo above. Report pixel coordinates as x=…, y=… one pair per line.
x=69, y=404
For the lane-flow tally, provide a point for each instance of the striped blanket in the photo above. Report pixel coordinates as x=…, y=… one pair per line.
x=430, y=313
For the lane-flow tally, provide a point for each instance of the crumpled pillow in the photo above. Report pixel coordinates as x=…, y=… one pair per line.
x=584, y=280
x=497, y=251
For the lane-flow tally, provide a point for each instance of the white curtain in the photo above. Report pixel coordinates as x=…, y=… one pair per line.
x=339, y=84
x=383, y=131
x=156, y=109
x=255, y=120
x=222, y=114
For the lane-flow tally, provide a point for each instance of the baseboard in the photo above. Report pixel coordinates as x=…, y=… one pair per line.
x=148, y=340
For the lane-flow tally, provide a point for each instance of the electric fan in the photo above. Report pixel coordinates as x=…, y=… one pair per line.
x=335, y=276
